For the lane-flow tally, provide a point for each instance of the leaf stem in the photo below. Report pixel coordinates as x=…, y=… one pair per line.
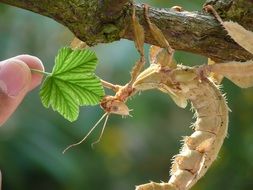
x=40, y=72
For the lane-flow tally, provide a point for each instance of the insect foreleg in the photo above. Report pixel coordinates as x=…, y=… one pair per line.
x=111, y=86
x=139, y=44
x=217, y=78
x=162, y=56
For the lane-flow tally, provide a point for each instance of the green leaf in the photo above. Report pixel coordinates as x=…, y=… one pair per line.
x=72, y=83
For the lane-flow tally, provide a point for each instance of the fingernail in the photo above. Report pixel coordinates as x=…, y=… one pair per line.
x=13, y=77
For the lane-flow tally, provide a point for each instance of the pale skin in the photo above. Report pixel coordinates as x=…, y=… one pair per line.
x=16, y=80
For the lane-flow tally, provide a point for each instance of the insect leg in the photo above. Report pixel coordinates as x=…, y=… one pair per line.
x=239, y=73
x=78, y=44
x=217, y=78
x=111, y=86
x=139, y=44
x=156, y=186
x=159, y=55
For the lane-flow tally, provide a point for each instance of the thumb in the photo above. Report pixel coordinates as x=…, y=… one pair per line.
x=0, y=180
x=15, y=82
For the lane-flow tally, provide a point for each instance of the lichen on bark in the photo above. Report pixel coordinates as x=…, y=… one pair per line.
x=104, y=21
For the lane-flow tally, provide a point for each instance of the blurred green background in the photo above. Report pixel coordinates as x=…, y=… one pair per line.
x=133, y=150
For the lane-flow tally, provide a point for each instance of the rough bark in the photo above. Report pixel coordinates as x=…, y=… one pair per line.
x=104, y=21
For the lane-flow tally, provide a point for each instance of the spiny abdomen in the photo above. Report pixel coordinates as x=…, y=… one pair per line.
x=201, y=148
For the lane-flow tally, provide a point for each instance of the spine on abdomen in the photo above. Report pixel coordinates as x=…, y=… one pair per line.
x=201, y=148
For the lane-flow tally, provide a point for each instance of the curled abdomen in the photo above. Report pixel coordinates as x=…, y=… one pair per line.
x=201, y=148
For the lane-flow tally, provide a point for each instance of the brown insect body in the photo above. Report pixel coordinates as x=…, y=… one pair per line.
x=201, y=148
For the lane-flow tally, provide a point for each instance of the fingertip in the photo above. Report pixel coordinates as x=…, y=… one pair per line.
x=33, y=63
x=0, y=180
x=15, y=79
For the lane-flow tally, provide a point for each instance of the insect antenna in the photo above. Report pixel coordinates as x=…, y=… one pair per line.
x=101, y=134
x=78, y=143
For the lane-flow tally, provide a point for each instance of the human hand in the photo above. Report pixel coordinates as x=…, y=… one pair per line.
x=16, y=80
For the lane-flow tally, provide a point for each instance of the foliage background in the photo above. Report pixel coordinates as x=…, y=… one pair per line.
x=133, y=150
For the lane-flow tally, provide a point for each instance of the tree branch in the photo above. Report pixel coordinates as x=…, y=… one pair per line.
x=112, y=7
x=103, y=21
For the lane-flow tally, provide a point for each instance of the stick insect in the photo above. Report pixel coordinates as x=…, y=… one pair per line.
x=194, y=84
x=182, y=84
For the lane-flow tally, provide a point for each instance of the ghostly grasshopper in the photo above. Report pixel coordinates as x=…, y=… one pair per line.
x=183, y=84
